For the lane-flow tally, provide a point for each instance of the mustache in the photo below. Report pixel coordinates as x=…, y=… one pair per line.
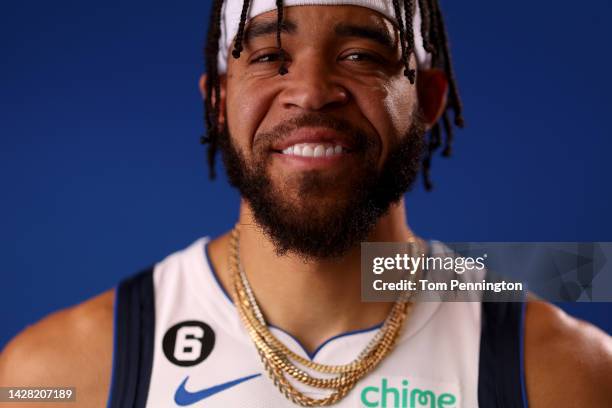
x=358, y=138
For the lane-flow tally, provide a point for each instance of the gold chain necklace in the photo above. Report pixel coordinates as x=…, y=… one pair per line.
x=279, y=361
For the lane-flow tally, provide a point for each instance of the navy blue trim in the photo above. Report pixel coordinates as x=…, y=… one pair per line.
x=522, y=352
x=310, y=355
x=348, y=333
x=316, y=351
x=501, y=380
x=113, y=379
x=134, y=337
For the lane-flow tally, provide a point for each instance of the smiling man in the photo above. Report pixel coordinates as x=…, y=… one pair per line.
x=320, y=109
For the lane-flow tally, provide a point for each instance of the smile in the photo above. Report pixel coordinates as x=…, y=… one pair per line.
x=314, y=150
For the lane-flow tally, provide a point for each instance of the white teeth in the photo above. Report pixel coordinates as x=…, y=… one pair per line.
x=313, y=150
x=307, y=151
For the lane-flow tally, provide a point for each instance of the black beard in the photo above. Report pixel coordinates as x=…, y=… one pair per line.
x=307, y=228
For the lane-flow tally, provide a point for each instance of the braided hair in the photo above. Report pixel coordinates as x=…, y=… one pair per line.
x=435, y=42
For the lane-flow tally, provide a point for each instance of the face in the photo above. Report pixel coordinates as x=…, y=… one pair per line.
x=321, y=152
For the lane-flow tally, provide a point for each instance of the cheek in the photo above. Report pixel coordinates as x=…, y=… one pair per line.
x=388, y=106
x=246, y=107
x=399, y=104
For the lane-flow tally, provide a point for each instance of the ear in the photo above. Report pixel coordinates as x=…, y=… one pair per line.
x=203, y=84
x=432, y=88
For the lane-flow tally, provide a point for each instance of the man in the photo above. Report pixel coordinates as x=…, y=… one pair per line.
x=319, y=109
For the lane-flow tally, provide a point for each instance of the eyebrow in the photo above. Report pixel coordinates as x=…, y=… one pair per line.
x=375, y=34
x=258, y=29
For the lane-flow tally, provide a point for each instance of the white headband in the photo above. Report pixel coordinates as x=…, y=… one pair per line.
x=230, y=19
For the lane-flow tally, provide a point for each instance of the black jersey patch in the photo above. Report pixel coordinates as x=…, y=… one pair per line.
x=188, y=343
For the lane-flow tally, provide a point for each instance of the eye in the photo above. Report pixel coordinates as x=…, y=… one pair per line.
x=362, y=57
x=266, y=58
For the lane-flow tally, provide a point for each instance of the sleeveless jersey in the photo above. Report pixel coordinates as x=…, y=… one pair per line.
x=179, y=342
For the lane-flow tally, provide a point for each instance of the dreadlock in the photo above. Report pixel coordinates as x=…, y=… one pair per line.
x=435, y=42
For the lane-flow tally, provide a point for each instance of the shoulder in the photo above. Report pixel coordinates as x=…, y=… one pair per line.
x=566, y=359
x=69, y=348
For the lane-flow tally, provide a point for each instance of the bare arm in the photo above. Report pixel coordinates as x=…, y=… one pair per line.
x=568, y=362
x=69, y=348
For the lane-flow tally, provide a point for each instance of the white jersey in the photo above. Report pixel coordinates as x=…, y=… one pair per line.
x=180, y=342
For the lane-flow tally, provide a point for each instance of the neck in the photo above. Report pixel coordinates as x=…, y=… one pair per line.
x=312, y=300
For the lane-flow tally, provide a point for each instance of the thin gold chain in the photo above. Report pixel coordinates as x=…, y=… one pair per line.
x=279, y=361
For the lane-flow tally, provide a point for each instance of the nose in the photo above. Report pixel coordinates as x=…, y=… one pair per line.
x=311, y=86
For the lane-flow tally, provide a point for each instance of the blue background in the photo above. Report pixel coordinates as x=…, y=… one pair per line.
x=101, y=172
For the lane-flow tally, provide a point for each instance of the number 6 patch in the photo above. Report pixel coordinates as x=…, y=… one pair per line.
x=188, y=343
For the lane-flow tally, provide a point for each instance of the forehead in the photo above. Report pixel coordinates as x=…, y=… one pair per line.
x=322, y=19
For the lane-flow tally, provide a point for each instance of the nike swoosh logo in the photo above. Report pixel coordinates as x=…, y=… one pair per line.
x=183, y=397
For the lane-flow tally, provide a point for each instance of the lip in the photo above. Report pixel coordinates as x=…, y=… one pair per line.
x=301, y=163
x=314, y=135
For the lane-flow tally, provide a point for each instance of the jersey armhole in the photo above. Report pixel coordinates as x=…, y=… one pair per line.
x=501, y=377
x=133, y=340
